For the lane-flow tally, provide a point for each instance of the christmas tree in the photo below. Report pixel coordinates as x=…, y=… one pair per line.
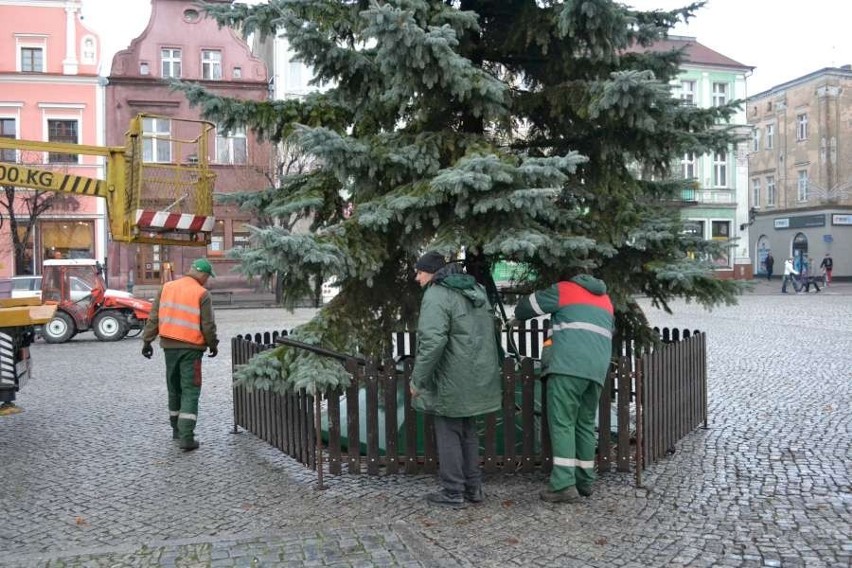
x=533, y=131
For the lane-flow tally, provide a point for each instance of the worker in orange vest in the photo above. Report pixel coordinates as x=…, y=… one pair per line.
x=182, y=316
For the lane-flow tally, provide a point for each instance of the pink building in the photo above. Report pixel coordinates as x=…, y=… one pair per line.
x=50, y=91
x=179, y=42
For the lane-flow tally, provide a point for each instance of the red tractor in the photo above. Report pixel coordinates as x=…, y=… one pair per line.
x=84, y=303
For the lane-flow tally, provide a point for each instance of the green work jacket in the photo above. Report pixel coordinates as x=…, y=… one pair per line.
x=582, y=319
x=456, y=369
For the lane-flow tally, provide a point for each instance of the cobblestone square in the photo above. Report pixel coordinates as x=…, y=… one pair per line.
x=91, y=477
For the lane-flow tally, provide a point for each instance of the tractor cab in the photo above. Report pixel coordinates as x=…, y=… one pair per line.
x=77, y=280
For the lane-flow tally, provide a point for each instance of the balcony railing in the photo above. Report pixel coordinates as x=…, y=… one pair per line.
x=715, y=196
x=689, y=195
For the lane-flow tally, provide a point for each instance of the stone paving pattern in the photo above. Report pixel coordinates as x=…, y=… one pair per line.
x=89, y=475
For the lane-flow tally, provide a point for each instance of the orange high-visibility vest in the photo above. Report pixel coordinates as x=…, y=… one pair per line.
x=180, y=311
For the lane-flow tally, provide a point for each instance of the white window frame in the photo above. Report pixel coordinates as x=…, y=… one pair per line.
x=687, y=164
x=240, y=238
x=687, y=92
x=13, y=154
x=79, y=128
x=171, y=57
x=226, y=149
x=802, y=126
x=770, y=137
x=30, y=41
x=755, y=192
x=770, y=191
x=43, y=51
x=755, y=140
x=725, y=261
x=720, y=94
x=156, y=140
x=802, y=185
x=700, y=223
x=720, y=169
x=720, y=222
x=211, y=64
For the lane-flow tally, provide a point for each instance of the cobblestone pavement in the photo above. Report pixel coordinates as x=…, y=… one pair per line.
x=89, y=475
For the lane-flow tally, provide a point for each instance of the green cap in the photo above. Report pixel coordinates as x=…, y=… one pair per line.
x=203, y=265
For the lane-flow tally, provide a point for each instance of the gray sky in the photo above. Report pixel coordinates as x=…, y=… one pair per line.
x=782, y=40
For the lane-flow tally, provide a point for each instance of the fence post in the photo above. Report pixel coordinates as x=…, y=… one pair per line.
x=605, y=421
x=640, y=400
x=335, y=466
x=353, y=436
x=411, y=465
x=390, y=387
x=703, y=347
x=623, y=409
x=528, y=415
x=509, y=461
x=372, y=409
x=318, y=434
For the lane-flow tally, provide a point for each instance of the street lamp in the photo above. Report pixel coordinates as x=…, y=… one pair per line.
x=752, y=213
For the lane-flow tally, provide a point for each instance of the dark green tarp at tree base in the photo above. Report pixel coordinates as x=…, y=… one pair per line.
x=400, y=413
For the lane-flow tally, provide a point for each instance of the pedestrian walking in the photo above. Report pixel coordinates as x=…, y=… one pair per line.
x=806, y=279
x=827, y=266
x=456, y=372
x=575, y=366
x=182, y=316
x=770, y=265
x=789, y=272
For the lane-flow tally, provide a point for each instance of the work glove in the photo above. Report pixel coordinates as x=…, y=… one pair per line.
x=214, y=351
x=147, y=350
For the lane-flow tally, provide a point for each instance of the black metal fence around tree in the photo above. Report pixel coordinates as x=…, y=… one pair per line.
x=650, y=401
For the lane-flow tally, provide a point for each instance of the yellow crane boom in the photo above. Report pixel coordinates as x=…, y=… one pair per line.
x=158, y=202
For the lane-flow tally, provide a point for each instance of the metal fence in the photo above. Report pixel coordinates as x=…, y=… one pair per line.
x=648, y=403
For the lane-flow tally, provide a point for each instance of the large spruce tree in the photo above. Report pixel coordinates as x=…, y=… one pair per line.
x=535, y=131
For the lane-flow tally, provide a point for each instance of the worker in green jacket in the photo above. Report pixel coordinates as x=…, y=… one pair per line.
x=576, y=364
x=456, y=372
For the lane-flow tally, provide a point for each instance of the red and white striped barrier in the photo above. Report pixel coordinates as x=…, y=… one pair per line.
x=165, y=221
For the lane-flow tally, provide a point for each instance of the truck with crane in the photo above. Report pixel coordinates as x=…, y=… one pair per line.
x=146, y=202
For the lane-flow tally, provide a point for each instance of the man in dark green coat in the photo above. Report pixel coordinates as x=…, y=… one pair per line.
x=576, y=365
x=456, y=373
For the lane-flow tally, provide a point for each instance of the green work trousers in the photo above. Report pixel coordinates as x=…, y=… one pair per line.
x=183, y=381
x=572, y=404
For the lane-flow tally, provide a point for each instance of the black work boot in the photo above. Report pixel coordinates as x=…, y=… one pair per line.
x=585, y=490
x=567, y=495
x=474, y=495
x=189, y=445
x=444, y=498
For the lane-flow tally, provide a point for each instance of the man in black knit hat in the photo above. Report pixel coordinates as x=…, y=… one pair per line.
x=456, y=372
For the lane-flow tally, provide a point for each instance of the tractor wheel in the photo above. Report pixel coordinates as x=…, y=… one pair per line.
x=60, y=329
x=110, y=325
